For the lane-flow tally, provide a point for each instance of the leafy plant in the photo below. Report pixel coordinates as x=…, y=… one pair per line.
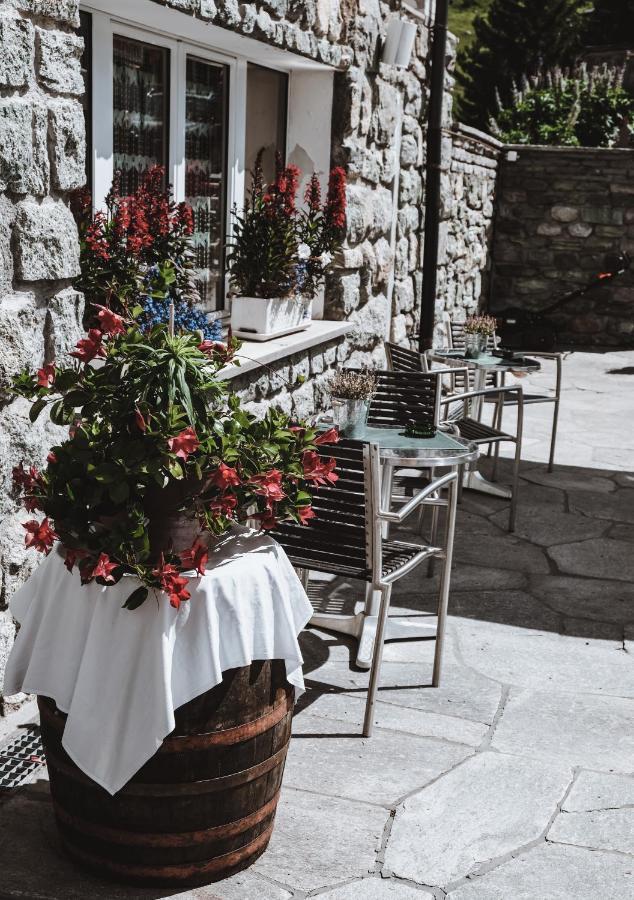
x=137, y=256
x=152, y=437
x=582, y=107
x=278, y=250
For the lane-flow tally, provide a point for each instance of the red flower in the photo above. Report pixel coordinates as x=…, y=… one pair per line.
x=225, y=476
x=39, y=535
x=172, y=583
x=72, y=556
x=335, y=208
x=91, y=347
x=327, y=437
x=185, y=443
x=269, y=484
x=267, y=520
x=212, y=347
x=313, y=193
x=96, y=240
x=109, y=321
x=185, y=217
x=316, y=470
x=305, y=513
x=104, y=568
x=141, y=424
x=122, y=218
x=224, y=505
x=51, y=458
x=46, y=376
x=26, y=479
x=196, y=557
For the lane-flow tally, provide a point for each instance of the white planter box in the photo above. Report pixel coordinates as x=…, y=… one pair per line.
x=256, y=319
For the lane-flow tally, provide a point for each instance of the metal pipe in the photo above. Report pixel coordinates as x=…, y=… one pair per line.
x=432, y=179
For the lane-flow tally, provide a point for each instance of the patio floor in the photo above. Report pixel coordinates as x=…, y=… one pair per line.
x=512, y=781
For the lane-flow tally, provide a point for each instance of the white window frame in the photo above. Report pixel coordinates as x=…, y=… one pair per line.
x=179, y=33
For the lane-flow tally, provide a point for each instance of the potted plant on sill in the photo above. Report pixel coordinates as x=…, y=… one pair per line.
x=158, y=464
x=478, y=330
x=279, y=254
x=137, y=257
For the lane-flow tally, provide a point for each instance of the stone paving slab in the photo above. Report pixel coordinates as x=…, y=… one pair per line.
x=600, y=558
x=375, y=889
x=548, y=527
x=601, y=600
x=336, y=748
x=591, y=731
x=401, y=718
x=554, y=872
x=483, y=809
x=540, y=659
x=320, y=840
x=617, y=507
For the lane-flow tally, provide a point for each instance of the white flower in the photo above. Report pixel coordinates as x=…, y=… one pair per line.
x=303, y=251
x=325, y=259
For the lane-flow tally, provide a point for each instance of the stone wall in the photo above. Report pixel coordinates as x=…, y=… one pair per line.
x=470, y=168
x=41, y=159
x=560, y=211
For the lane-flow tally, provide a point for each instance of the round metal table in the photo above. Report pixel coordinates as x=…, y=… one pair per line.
x=396, y=451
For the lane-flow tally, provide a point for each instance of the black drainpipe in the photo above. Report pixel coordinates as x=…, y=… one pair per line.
x=432, y=179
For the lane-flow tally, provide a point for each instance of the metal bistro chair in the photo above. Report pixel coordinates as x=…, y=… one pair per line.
x=458, y=412
x=345, y=538
x=456, y=339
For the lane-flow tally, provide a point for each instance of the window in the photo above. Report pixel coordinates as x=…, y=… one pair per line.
x=156, y=95
x=140, y=100
x=267, y=100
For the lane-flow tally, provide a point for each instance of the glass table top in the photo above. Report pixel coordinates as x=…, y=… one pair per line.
x=490, y=361
x=393, y=443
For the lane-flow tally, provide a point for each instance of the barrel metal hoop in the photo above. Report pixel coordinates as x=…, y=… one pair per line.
x=156, y=839
x=207, y=786
x=176, y=873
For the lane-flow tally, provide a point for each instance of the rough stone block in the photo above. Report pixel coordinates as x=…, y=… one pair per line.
x=7, y=218
x=67, y=144
x=564, y=213
x=60, y=10
x=24, y=166
x=46, y=242
x=16, y=42
x=21, y=335
x=58, y=61
x=63, y=326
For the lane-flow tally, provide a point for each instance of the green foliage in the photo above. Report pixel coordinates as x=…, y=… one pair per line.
x=151, y=429
x=513, y=38
x=581, y=108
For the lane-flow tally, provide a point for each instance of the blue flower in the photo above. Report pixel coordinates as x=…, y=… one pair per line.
x=186, y=318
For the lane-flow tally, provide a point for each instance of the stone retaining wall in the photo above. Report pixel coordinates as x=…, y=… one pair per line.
x=41, y=159
x=560, y=210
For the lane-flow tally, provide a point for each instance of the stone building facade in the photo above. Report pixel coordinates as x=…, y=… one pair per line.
x=559, y=212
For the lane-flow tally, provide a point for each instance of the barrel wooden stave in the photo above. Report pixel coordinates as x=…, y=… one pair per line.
x=203, y=807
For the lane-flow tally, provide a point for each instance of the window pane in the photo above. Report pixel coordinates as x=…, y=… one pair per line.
x=85, y=31
x=267, y=93
x=140, y=119
x=206, y=175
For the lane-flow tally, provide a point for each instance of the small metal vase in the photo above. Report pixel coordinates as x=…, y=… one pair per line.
x=474, y=345
x=349, y=414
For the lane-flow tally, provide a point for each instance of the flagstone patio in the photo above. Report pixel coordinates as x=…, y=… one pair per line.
x=512, y=781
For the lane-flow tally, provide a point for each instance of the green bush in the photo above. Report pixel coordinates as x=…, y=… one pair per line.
x=578, y=108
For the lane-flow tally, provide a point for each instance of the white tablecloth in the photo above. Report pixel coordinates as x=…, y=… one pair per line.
x=120, y=674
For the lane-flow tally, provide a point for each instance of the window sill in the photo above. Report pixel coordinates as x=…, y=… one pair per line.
x=253, y=354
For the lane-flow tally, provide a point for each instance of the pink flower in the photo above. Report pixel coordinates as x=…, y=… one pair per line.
x=196, y=557
x=305, y=513
x=327, y=437
x=316, y=470
x=91, y=347
x=185, y=443
x=269, y=484
x=109, y=321
x=212, y=347
x=225, y=476
x=141, y=424
x=104, y=568
x=46, y=376
x=39, y=535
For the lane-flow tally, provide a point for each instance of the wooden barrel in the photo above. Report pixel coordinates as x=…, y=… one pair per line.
x=202, y=808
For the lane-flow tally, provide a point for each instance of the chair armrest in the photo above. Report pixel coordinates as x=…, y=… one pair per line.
x=405, y=511
x=502, y=389
x=542, y=354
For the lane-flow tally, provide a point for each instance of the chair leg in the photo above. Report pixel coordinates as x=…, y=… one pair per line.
x=553, y=436
x=377, y=657
x=435, y=512
x=387, y=483
x=445, y=580
x=515, y=485
x=496, y=455
x=304, y=577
